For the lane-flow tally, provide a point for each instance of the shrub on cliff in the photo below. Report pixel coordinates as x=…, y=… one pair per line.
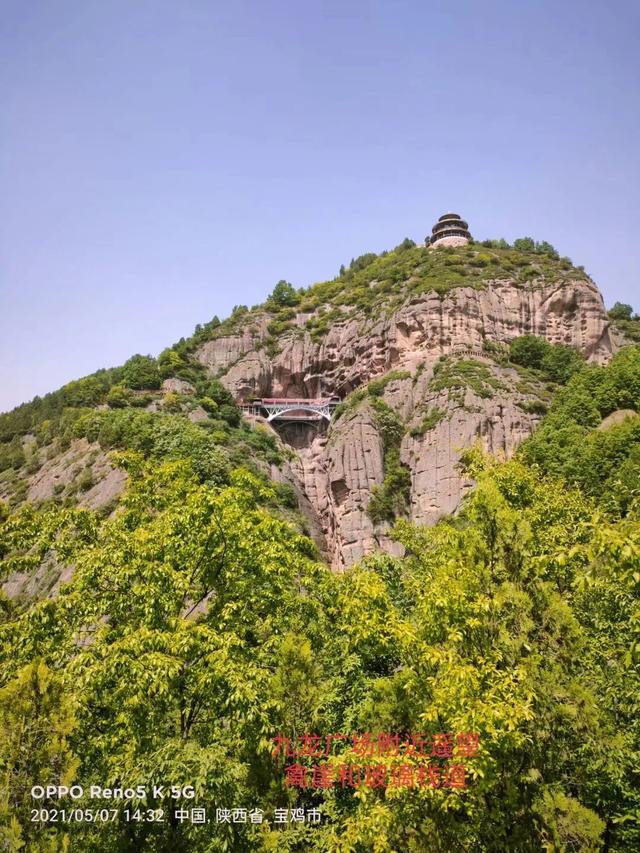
x=558, y=363
x=391, y=499
x=141, y=371
x=570, y=443
x=284, y=294
x=119, y=397
x=620, y=311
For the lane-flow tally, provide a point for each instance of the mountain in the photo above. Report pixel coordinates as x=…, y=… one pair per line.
x=438, y=584
x=419, y=336
x=431, y=329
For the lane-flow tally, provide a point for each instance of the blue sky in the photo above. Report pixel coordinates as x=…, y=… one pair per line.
x=161, y=162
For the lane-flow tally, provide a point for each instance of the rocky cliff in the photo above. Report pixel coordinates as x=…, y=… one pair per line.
x=355, y=349
x=415, y=342
x=432, y=357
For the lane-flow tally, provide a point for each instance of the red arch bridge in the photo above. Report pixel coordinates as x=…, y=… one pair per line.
x=292, y=408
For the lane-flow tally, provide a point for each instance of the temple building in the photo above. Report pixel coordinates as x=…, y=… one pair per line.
x=450, y=230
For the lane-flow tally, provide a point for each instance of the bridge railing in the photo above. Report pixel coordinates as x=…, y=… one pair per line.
x=292, y=408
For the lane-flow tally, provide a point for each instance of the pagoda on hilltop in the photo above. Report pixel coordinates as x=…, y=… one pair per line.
x=450, y=230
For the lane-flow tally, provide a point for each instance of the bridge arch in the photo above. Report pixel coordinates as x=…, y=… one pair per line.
x=297, y=411
x=293, y=409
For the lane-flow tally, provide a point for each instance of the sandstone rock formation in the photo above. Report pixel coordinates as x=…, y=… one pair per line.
x=337, y=471
x=101, y=488
x=178, y=386
x=428, y=326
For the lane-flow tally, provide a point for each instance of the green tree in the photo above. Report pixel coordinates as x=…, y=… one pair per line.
x=284, y=294
x=119, y=397
x=620, y=311
x=187, y=638
x=214, y=389
x=362, y=261
x=544, y=248
x=559, y=363
x=524, y=244
x=141, y=371
x=37, y=723
x=170, y=362
x=12, y=454
x=485, y=641
x=528, y=351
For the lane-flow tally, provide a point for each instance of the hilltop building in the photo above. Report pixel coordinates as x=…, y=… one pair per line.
x=450, y=230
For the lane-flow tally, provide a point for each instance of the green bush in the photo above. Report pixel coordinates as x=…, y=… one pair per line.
x=620, y=311
x=376, y=387
x=389, y=423
x=85, y=479
x=119, y=397
x=171, y=402
x=391, y=499
x=285, y=495
x=534, y=407
x=11, y=454
x=560, y=363
x=141, y=372
x=452, y=374
x=362, y=262
x=230, y=414
x=524, y=244
x=429, y=421
x=157, y=436
x=557, y=362
x=209, y=405
x=570, y=444
x=407, y=243
x=215, y=390
x=528, y=351
x=278, y=327
x=264, y=441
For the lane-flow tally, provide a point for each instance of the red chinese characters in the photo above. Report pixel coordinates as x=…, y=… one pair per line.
x=369, y=745
x=377, y=760
x=430, y=775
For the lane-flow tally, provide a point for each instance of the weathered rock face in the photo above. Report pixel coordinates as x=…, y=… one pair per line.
x=103, y=487
x=179, y=386
x=222, y=353
x=337, y=474
x=337, y=471
x=499, y=424
x=429, y=326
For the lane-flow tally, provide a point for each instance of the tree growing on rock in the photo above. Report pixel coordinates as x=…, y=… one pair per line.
x=620, y=311
x=284, y=294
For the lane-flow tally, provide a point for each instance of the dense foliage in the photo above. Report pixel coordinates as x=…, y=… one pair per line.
x=391, y=498
x=198, y=626
x=557, y=363
x=197, y=623
x=621, y=311
x=283, y=294
x=591, y=436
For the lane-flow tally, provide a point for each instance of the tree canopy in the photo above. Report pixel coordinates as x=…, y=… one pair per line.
x=198, y=627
